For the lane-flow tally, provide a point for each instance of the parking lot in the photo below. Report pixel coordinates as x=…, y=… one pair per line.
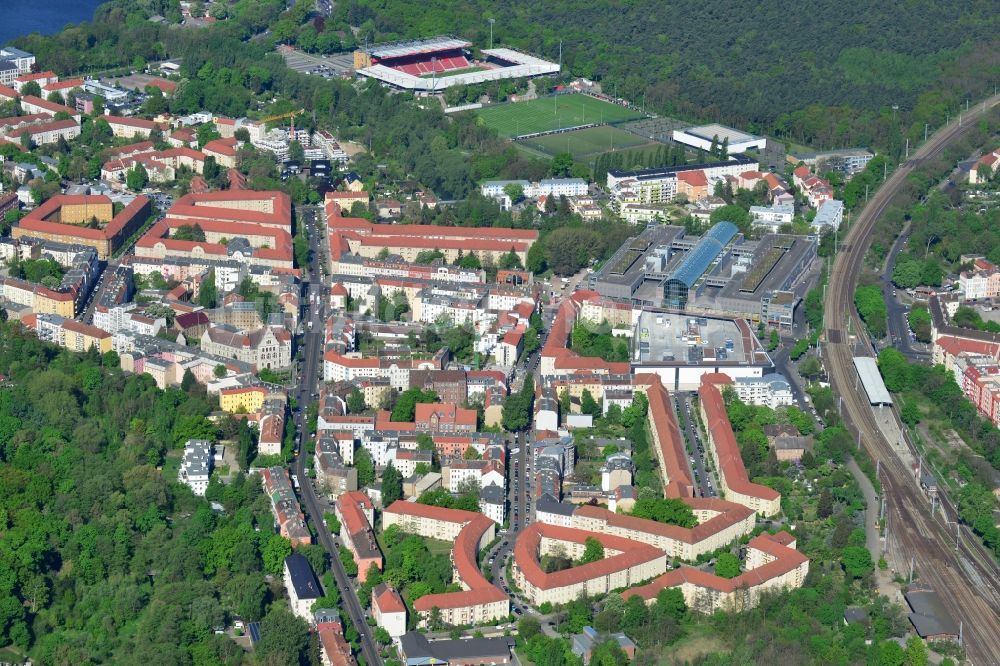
x=329, y=66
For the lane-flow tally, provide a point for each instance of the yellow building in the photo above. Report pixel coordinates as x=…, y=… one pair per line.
x=243, y=400
x=99, y=208
x=81, y=337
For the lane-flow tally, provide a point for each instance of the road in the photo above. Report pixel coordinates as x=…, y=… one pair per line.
x=701, y=474
x=965, y=577
x=312, y=345
x=899, y=327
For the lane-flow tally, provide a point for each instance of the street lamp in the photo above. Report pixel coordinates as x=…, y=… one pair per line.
x=492, y=21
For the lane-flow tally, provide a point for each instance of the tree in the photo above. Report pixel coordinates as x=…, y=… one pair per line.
x=365, y=466
x=425, y=442
x=536, y=257
x=471, y=454
x=774, y=340
x=392, y=485
x=517, y=408
x=562, y=164
x=405, y=408
x=188, y=382
x=110, y=359
x=916, y=652
x=895, y=370
x=284, y=638
x=824, y=508
x=274, y=552
x=208, y=294
x=510, y=261
x=32, y=89
x=727, y=566
x=136, y=178
x=528, y=627
x=593, y=551
x=588, y=405
x=910, y=413
x=190, y=232
x=356, y=401
x=220, y=371
x=810, y=367
x=515, y=191
x=857, y=561
x=871, y=307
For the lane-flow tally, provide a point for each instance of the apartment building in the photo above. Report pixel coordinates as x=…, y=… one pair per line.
x=479, y=601
x=302, y=585
x=625, y=564
x=356, y=514
x=772, y=565
x=196, y=465
x=285, y=506
x=389, y=610
x=733, y=480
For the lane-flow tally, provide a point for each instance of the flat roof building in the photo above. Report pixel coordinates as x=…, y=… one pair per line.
x=871, y=380
x=703, y=136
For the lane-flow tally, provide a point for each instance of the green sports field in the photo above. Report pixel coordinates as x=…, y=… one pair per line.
x=586, y=144
x=551, y=113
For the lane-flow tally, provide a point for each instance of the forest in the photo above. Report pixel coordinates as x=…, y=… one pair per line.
x=104, y=557
x=829, y=76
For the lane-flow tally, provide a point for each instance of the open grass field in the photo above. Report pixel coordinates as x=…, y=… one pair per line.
x=587, y=144
x=551, y=113
x=452, y=72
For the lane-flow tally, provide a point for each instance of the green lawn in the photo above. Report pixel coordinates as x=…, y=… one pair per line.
x=451, y=72
x=551, y=113
x=585, y=144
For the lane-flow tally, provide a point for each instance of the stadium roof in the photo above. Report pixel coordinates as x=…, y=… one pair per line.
x=704, y=253
x=871, y=379
x=522, y=65
x=416, y=47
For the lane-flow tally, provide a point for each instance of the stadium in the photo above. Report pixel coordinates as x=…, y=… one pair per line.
x=432, y=65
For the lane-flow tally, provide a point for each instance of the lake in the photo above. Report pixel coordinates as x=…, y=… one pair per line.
x=20, y=17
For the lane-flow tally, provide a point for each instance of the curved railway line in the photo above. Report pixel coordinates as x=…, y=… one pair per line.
x=964, y=574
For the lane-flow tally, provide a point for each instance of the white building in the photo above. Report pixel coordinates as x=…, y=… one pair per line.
x=492, y=503
x=303, y=588
x=702, y=138
x=771, y=390
x=389, y=610
x=829, y=215
x=549, y=187
x=196, y=466
x=772, y=217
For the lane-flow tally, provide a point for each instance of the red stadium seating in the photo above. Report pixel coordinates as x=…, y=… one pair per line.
x=422, y=65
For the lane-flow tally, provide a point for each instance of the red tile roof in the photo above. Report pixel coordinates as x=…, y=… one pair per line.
x=464, y=557
x=47, y=105
x=631, y=553
x=953, y=346
x=672, y=451
x=139, y=123
x=7, y=92
x=387, y=599
x=786, y=559
x=724, y=440
x=696, y=178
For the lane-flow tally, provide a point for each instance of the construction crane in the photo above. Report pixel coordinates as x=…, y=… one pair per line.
x=290, y=114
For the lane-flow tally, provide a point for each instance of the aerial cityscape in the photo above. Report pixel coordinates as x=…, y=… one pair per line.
x=386, y=333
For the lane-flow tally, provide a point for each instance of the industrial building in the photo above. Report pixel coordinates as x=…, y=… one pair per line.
x=720, y=272
x=704, y=136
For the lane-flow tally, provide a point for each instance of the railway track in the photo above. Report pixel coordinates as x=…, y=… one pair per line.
x=963, y=573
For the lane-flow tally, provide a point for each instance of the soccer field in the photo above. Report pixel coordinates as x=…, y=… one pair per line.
x=586, y=144
x=552, y=113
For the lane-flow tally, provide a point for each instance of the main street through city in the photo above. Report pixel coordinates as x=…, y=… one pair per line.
x=964, y=575
x=312, y=348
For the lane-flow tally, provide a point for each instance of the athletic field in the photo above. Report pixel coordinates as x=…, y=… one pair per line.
x=586, y=144
x=551, y=113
